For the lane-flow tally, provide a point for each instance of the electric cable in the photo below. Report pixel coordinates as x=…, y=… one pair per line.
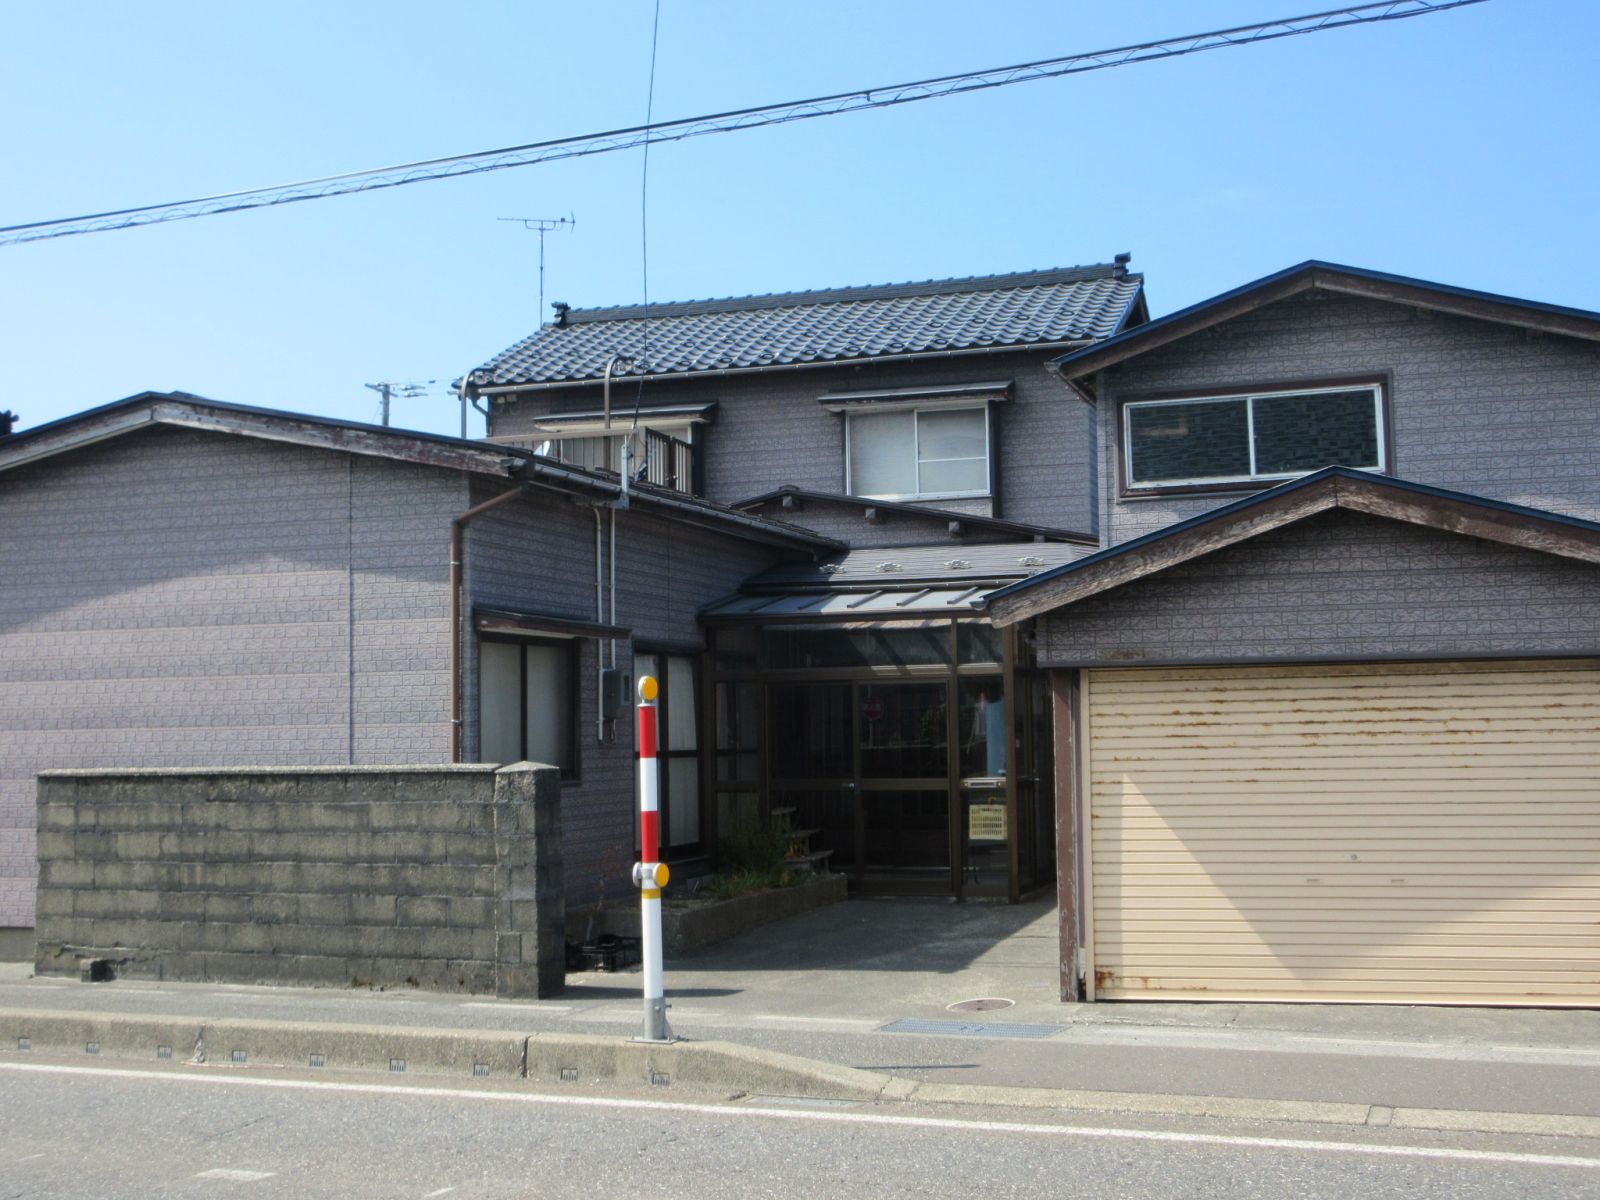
x=725, y=122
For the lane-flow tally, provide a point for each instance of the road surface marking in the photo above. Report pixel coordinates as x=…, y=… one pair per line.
x=234, y=1175
x=504, y=1006
x=440, y=1192
x=1171, y=1137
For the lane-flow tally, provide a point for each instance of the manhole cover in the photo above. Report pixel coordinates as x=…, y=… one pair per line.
x=987, y=1004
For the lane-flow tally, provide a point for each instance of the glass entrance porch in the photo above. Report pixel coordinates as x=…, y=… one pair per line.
x=908, y=751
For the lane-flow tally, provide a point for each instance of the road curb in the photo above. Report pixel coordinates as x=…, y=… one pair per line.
x=722, y=1068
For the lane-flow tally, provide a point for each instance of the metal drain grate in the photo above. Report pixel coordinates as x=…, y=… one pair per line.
x=970, y=1028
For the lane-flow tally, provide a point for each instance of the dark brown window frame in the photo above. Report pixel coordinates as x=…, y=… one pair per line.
x=573, y=773
x=1382, y=380
x=662, y=651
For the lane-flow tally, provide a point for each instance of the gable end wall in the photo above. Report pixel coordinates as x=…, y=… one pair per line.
x=1337, y=586
x=177, y=598
x=1476, y=407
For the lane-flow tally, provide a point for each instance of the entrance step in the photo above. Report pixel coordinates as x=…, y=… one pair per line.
x=808, y=864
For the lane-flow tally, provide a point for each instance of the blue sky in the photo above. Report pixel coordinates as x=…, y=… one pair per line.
x=1458, y=147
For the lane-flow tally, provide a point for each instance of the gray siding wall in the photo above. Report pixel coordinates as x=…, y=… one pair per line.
x=770, y=430
x=1477, y=407
x=1341, y=586
x=538, y=555
x=177, y=598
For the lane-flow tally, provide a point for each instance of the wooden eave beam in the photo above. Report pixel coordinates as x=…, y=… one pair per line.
x=1499, y=312
x=1473, y=520
x=1370, y=497
x=1163, y=553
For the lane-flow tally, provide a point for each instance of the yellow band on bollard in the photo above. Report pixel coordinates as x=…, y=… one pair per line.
x=651, y=893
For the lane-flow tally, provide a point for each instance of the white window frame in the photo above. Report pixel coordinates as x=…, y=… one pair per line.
x=1137, y=485
x=917, y=461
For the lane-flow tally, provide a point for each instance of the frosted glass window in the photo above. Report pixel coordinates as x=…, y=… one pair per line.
x=682, y=720
x=678, y=751
x=923, y=453
x=500, y=702
x=526, y=704
x=882, y=454
x=549, y=704
x=683, y=785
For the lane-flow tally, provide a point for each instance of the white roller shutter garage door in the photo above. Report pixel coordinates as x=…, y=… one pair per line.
x=1404, y=833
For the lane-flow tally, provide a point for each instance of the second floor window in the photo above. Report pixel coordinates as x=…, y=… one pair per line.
x=918, y=454
x=1233, y=439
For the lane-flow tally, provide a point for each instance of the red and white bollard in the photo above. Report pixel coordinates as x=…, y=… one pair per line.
x=650, y=875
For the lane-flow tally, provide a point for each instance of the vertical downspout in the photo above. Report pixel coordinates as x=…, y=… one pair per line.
x=457, y=557
x=599, y=619
x=624, y=462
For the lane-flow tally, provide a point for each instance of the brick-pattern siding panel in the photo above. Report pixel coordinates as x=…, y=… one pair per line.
x=178, y=598
x=1339, y=586
x=1477, y=407
x=770, y=430
x=538, y=556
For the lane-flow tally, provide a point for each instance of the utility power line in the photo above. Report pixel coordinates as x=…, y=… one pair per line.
x=613, y=140
x=388, y=391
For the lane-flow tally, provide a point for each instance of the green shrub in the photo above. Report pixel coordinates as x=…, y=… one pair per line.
x=750, y=858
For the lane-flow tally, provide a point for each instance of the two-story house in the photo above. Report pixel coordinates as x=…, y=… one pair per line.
x=1268, y=631
x=1298, y=696
x=863, y=697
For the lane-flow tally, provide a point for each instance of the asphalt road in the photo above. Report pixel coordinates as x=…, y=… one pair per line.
x=72, y=1131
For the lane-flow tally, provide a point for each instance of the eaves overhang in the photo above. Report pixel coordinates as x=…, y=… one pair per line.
x=701, y=373
x=1333, y=487
x=1076, y=366
x=183, y=410
x=1012, y=529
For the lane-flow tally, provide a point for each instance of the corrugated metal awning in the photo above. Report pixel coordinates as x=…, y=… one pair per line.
x=506, y=621
x=881, y=604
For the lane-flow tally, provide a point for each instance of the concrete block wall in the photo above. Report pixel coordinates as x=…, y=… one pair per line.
x=448, y=878
x=1476, y=406
x=175, y=597
x=1339, y=585
x=770, y=430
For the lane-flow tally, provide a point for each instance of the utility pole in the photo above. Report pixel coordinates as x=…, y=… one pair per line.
x=387, y=391
x=542, y=226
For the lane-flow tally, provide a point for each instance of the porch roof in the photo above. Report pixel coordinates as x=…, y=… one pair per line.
x=892, y=581
x=871, y=604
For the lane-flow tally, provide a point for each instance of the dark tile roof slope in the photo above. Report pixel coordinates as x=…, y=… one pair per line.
x=839, y=324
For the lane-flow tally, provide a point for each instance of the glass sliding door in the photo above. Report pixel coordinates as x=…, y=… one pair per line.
x=903, y=756
x=677, y=752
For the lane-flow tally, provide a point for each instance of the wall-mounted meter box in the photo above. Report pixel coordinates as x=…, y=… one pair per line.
x=613, y=686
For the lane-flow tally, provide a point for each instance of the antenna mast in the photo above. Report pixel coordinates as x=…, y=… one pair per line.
x=542, y=226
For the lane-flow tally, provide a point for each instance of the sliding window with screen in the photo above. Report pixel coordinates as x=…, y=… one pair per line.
x=1246, y=438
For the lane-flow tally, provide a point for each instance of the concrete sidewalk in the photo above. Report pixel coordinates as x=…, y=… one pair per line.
x=856, y=1001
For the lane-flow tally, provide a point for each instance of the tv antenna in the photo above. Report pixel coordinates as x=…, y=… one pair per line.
x=387, y=390
x=542, y=226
